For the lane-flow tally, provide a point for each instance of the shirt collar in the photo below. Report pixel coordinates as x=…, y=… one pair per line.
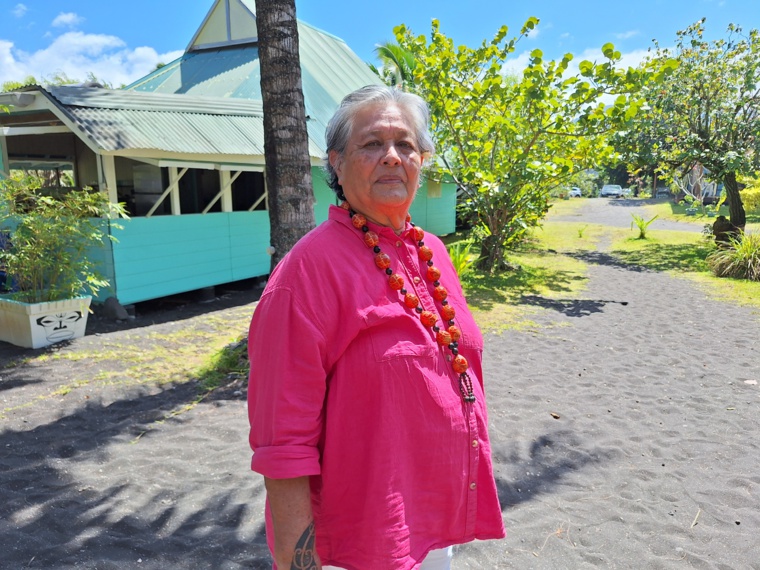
x=340, y=215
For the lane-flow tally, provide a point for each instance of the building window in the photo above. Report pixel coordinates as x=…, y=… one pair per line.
x=247, y=190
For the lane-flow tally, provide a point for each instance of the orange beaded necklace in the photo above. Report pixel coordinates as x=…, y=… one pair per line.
x=448, y=335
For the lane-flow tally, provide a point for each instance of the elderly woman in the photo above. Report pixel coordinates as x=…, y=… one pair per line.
x=368, y=420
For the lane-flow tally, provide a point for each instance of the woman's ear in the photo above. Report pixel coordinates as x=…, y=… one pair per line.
x=336, y=162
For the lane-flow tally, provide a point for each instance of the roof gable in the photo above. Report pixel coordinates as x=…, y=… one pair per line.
x=229, y=22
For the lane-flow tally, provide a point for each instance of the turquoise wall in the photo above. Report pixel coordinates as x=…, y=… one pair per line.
x=435, y=215
x=164, y=255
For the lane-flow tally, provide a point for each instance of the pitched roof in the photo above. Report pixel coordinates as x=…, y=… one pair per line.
x=116, y=120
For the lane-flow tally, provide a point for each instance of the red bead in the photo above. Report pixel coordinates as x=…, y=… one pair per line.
x=455, y=333
x=345, y=205
x=448, y=312
x=428, y=318
x=382, y=260
x=408, y=217
x=418, y=233
x=443, y=338
x=396, y=282
x=460, y=364
x=426, y=254
x=371, y=239
x=411, y=300
x=440, y=293
x=359, y=221
x=433, y=273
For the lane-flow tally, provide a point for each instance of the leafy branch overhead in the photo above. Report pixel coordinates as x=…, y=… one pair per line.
x=705, y=113
x=507, y=140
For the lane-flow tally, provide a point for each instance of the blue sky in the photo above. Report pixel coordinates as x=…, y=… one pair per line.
x=121, y=41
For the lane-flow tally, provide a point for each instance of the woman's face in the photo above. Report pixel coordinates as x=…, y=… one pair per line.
x=380, y=168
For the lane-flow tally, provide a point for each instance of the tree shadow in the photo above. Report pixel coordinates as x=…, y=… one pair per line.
x=50, y=519
x=550, y=459
x=606, y=259
x=569, y=307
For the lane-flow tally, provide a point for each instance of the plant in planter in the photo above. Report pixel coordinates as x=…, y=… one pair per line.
x=49, y=278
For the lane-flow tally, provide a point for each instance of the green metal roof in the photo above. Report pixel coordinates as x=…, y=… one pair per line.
x=329, y=71
x=181, y=124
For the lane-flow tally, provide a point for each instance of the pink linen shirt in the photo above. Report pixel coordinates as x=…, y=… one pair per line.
x=349, y=387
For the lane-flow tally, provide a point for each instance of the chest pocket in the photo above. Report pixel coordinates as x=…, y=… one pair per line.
x=395, y=333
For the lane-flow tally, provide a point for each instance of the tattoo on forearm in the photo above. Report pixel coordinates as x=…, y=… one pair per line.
x=304, y=557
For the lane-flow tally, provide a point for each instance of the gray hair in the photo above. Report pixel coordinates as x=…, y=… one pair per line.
x=342, y=123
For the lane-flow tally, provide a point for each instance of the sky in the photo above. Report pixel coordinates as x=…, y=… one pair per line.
x=120, y=41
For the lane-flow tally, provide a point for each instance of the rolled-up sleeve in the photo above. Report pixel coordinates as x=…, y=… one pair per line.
x=287, y=385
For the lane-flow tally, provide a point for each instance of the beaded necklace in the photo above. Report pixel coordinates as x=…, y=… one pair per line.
x=448, y=335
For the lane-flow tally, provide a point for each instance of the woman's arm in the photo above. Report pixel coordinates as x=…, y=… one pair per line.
x=294, y=537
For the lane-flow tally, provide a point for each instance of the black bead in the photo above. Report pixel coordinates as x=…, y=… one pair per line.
x=454, y=344
x=389, y=271
x=454, y=351
x=418, y=309
x=451, y=323
x=403, y=291
x=351, y=213
x=436, y=283
x=435, y=328
x=444, y=302
x=365, y=229
x=376, y=249
x=421, y=243
x=430, y=263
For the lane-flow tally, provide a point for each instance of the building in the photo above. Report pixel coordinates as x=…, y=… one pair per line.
x=183, y=149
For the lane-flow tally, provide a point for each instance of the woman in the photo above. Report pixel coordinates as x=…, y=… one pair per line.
x=366, y=404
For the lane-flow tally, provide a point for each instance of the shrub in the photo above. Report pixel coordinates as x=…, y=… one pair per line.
x=740, y=260
x=751, y=198
x=460, y=258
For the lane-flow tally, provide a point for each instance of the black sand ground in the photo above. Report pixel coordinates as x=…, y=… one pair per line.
x=625, y=432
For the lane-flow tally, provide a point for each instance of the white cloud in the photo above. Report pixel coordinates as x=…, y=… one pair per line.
x=67, y=19
x=20, y=10
x=516, y=65
x=533, y=34
x=627, y=35
x=76, y=54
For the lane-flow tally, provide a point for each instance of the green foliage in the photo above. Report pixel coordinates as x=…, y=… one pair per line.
x=741, y=260
x=49, y=238
x=57, y=78
x=702, y=112
x=398, y=65
x=507, y=141
x=460, y=254
x=642, y=224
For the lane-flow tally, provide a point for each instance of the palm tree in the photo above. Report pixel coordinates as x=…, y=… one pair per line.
x=398, y=65
x=286, y=142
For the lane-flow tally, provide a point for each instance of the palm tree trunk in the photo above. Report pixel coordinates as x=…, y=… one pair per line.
x=286, y=143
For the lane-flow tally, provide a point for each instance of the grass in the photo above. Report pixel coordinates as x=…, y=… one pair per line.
x=204, y=350
x=668, y=210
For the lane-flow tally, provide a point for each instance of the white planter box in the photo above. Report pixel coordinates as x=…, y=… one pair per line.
x=35, y=325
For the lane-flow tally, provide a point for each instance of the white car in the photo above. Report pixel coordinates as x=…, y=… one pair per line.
x=575, y=192
x=611, y=190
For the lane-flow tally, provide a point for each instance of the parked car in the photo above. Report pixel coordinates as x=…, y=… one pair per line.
x=611, y=190
x=575, y=192
x=662, y=191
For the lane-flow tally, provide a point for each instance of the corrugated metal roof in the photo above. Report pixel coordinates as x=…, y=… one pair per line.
x=329, y=71
x=128, y=120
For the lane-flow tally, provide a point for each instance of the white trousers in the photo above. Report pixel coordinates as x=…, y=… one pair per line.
x=435, y=560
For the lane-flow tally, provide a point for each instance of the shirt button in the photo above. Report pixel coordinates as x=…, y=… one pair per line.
x=473, y=485
x=474, y=442
x=416, y=280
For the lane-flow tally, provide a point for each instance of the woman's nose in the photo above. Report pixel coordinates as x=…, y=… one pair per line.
x=391, y=157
